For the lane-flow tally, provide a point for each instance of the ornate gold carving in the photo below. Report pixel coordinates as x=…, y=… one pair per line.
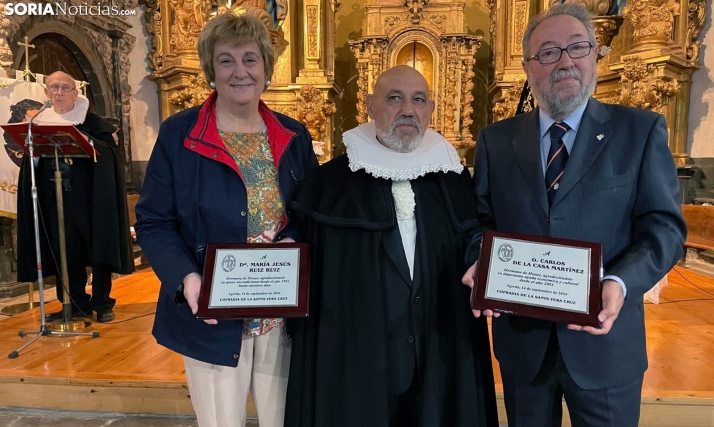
x=358, y=50
x=153, y=27
x=256, y=8
x=391, y=22
x=697, y=16
x=189, y=16
x=451, y=96
x=288, y=110
x=312, y=31
x=362, y=69
x=521, y=19
x=596, y=7
x=192, y=94
x=612, y=99
x=491, y=34
x=506, y=106
x=653, y=23
x=439, y=21
x=376, y=67
x=606, y=27
x=314, y=111
x=436, y=46
x=641, y=86
x=467, y=97
x=415, y=8
x=8, y=27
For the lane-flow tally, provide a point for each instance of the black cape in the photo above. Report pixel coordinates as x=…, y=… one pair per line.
x=97, y=208
x=338, y=363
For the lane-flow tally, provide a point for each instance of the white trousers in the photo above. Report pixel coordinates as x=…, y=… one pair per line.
x=219, y=393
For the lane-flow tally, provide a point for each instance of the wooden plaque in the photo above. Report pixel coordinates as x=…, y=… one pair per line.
x=255, y=280
x=541, y=277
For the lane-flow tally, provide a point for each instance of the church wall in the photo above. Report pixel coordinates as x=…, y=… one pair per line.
x=701, y=107
x=701, y=115
x=144, y=99
x=348, y=23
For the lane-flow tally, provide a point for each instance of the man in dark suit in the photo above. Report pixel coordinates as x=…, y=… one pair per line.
x=578, y=169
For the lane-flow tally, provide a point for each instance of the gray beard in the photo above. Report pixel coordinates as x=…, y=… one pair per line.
x=559, y=109
x=391, y=141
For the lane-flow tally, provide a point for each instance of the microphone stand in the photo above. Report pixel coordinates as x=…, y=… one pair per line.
x=45, y=330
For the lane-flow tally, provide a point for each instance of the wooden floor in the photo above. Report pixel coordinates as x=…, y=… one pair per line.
x=124, y=370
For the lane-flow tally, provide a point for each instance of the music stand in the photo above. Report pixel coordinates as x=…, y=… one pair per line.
x=51, y=141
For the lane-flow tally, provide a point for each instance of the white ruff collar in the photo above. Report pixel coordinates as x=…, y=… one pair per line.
x=75, y=116
x=434, y=154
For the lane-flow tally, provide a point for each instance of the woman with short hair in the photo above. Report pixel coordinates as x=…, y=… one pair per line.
x=223, y=172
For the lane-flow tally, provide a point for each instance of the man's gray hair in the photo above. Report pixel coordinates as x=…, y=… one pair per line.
x=575, y=10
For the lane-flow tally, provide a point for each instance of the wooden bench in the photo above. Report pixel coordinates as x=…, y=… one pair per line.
x=700, y=226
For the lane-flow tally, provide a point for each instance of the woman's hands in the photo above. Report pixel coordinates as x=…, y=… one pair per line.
x=191, y=290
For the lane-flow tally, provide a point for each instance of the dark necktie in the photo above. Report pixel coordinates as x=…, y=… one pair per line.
x=557, y=157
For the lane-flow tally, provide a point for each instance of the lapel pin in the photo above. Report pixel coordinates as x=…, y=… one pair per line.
x=600, y=137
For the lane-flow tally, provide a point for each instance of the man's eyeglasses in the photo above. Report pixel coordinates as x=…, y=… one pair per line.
x=63, y=88
x=552, y=54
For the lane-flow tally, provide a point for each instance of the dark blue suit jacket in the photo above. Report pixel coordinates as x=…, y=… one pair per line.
x=191, y=199
x=620, y=189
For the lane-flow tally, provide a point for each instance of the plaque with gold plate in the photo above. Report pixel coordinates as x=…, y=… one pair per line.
x=255, y=280
x=541, y=277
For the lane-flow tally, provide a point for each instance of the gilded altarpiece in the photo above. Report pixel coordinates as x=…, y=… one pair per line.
x=648, y=52
x=431, y=37
x=302, y=32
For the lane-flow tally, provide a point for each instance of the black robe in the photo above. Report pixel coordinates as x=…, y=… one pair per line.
x=338, y=372
x=97, y=208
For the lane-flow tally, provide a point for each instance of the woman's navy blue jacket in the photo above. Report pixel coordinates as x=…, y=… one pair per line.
x=193, y=194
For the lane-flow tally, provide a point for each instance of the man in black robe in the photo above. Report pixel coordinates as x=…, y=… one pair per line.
x=390, y=340
x=95, y=211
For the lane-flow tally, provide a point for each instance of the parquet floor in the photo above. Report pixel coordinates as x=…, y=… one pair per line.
x=124, y=370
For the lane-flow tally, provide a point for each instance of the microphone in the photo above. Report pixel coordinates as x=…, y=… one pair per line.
x=45, y=106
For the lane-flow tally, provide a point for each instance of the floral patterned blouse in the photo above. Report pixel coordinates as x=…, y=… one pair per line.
x=266, y=208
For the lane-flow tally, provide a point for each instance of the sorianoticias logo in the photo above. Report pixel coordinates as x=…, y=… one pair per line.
x=64, y=8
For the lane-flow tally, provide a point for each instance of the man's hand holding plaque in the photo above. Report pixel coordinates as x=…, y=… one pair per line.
x=612, y=302
x=546, y=278
x=469, y=280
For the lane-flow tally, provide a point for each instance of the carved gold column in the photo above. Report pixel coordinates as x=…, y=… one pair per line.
x=301, y=86
x=653, y=23
x=315, y=80
x=656, y=72
x=369, y=52
x=173, y=59
x=508, y=23
x=458, y=86
x=311, y=42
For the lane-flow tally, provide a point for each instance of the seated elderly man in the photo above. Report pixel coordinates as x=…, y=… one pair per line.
x=390, y=340
x=95, y=212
